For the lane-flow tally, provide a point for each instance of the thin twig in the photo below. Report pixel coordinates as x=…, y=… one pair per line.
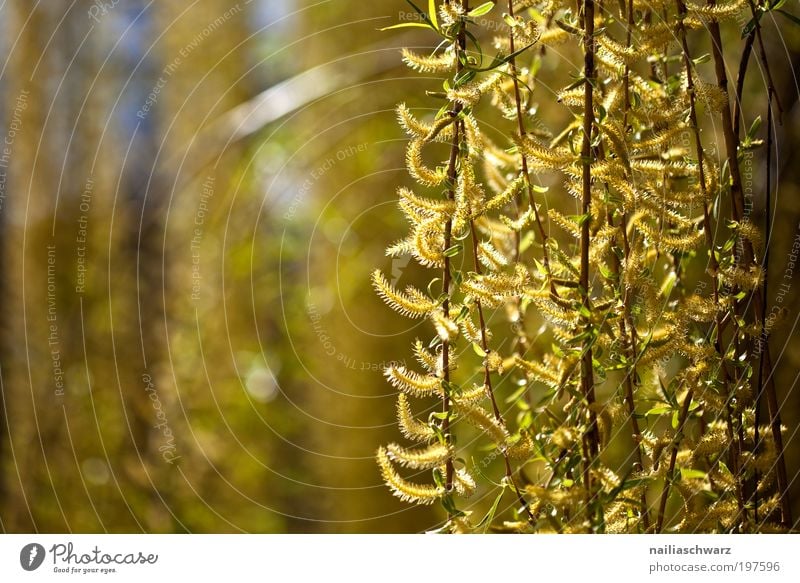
x=512, y=64
x=487, y=381
x=669, y=478
x=452, y=174
x=737, y=205
x=626, y=324
x=587, y=368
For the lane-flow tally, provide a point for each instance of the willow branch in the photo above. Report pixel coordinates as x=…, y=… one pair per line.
x=452, y=175
x=487, y=381
x=670, y=477
x=737, y=207
x=587, y=369
x=512, y=64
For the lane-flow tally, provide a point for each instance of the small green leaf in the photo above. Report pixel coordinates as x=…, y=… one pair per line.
x=750, y=26
x=705, y=58
x=601, y=113
x=580, y=81
x=676, y=419
x=478, y=350
x=437, y=478
x=406, y=25
x=484, y=8
x=689, y=474
x=568, y=28
x=450, y=505
x=432, y=14
x=751, y=133
x=526, y=242
x=659, y=410
x=790, y=16
x=452, y=251
x=486, y=521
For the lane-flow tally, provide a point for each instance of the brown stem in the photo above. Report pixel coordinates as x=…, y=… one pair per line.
x=512, y=64
x=732, y=144
x=452, y=174
x=743, y=66
x=669, y=478
x=731, y=141
x=707, y=224
x=762, y=54
x=587, y=369
x=763, y=336
x=737, y=208
x=487, y=381
x=760, y=306
x=626, y=324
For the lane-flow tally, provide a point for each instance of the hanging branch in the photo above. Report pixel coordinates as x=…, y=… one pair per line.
x=587, y=367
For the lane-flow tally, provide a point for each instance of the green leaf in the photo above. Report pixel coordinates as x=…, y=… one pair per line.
x=432, y=12
x=790, y=16
x=422, y=14
x=676, y=419
x=660, y=410
x=704, y=58
x=577, y=83
x=750, y=26
x=751, y=133
x=406, y=25
x=513, y=397
x=601, y=113
x=486, y=521
x=689, y=474
x=437, y=478
x=484, y=8
x=478, y=349
x=501, y=59
x=452, y=251
x=526, y=242
x=568, y=28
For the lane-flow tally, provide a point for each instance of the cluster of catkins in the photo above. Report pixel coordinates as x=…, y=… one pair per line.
x=622, y=388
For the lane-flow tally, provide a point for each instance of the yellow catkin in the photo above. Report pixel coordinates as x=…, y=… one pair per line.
x=403, y=489
x=412, y=303
x=422, y=458
x=442, y=63
x=485, y=421
x=413, y=383
x=417, y=168
x=410, y=427
x=538, y=372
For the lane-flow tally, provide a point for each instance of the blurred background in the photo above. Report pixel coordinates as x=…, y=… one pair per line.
x=192, y=197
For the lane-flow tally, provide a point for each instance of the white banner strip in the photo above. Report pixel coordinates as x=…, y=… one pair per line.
x=400, y=558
